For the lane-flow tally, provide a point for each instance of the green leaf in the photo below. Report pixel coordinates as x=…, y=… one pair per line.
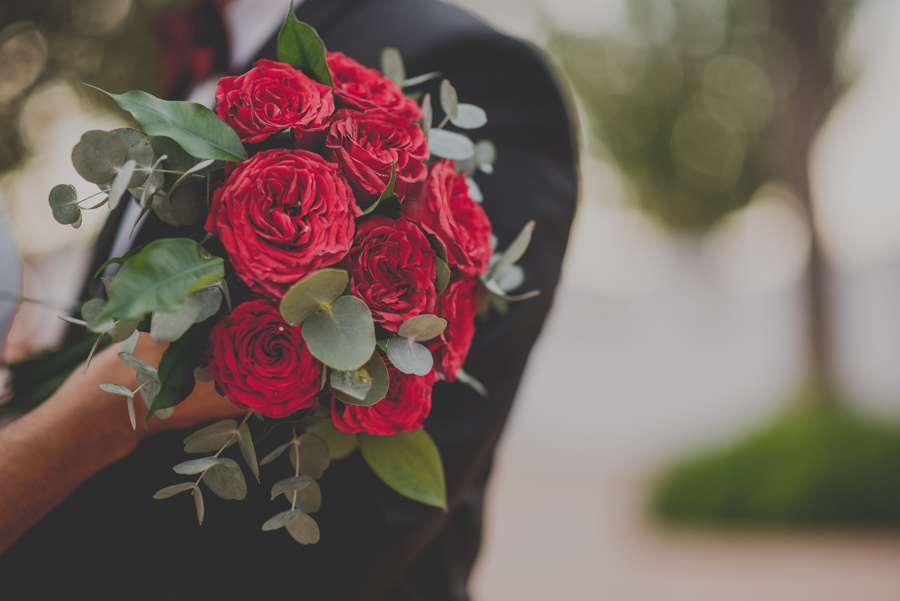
x=339, y=444
x=301, y=47
x=307, y=500
x=427, y=115
x=388, y=191
x=160, y=277
x=98, y=156
x=171, y=491
x=186, y=205
x=117, y=389
x=245, y=440
x=93, y=313
x=513, y=253
x=485, y=154
x=195, y=466
x=166, y=327
x=312, y=456
x=124, y=329
x=443, y=275
x=281, y=520
x=471, y=382
x=355, y=384
x=408, y=462
x=342, y=336
x=422, y=327
x=409, y=356
x=449, y=100
x=311, y=294
x=63, y=202
x=138, y=365
x=450, y=145
x=212, y=437
x=275, y=454
x=198, y=503
x=176, y=368
x=303, y=529
x=297, y=483
x=196, y=128
x=380, y=379
x=129, y=345
x=469, y=116
x=392, y=66
x=149, y=389
x=226, y=480
x=121, y=259
x=495, y=289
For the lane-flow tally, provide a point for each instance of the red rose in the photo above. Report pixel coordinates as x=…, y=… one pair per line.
x=446, y=210
x=362, y=88
x=365, y=144
x=392, y=269
x=272, y=97
x=404, y=408
x=261, y=362
x=458, y=305
x=281, y=215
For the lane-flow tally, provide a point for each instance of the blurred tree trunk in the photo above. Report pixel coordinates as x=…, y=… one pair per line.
x=809, y=27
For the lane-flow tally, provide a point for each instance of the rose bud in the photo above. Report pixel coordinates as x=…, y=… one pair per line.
x=281, y=215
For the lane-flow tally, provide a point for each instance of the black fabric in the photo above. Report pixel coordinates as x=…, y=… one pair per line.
x=110, y=540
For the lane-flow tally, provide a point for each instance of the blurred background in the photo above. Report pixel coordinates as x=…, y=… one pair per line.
x=728, y=324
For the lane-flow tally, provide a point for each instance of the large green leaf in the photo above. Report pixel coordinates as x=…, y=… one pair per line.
x=160, y=277
x=196, y=128
x=408, y=462
x=176, y=368
x=301, y=47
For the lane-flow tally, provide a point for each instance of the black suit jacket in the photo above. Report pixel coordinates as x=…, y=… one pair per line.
x=110, y=540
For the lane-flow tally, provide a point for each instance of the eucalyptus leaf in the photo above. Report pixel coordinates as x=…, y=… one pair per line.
x=308, y=499
x=311, y=294
x=193, y=126
x=226, y=480
x=469, y=116
x=408, y=462
x=166, y=327
x=312, y=457
x=449, y=100
x=301, y=47
x=473, y=383
x=281, y=520
x=149, y=388
x=339, y=444
x=245, y=440
x=176, y=368
x=201, y=374
x=124, y=329
x=380, y=381
x=296, y=483
x=212, y=437
x=427, y=115
x=187, y=204
x=98, y=156
x=120, y=183
x=474, y=191
x=195, y=466
x=140, y=150
x=129, y=345
x=409, y=356
x=129, y=402
x=117, y=389
x=392, y=66
x=510, y=278
x=275, y=453
x=422, y=327
x=342, y=336
x=450, y=145
x=188, y=172
x=355, y=384
x=87, y=362
x=93, y=312
x=212, y=302
x=198, y=503
x=171, y=491
x=497, y=291
x=513, y=253
x=63, y=202
x=419, y=79
x=138, y=365
x=73, y=320
x=160, y=277
x=303, y=529
x=485, y=152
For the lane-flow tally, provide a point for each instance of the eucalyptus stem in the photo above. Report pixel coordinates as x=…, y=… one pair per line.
x=444, y=122
x=224, y=446
x=91, y=196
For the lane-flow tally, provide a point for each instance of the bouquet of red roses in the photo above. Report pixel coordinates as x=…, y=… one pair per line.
x=327, y=263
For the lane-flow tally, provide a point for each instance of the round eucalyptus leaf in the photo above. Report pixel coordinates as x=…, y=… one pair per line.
x=149, y=387
x=201, y=374
x=281, y=520
x=422, y=327
x=409, y=356
x=212, y=301
x=171, y=491
x=63, y=199
x=140, y=150
x=166, y=327
x=98, y=156
x=308, y=499
x=92, y=310
x=195, y=466
x=120, y=183
x=163, y=209
x=449, y=99
x=290, y=484
x=450, y=145
x=303, y=529
x=117, y=389
x=138, y=365
x=355, y=384
x=128, y=346
x=469, y=116
x=513, y=253
x=124, y=329
x=311, y=294
x=211, y=438
x=226, y=480
x=187, y=204
x=485, y=152
x=313, y=457
x=392, y=66
x=380, y=381
x=342, y=336
x=510, y=278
